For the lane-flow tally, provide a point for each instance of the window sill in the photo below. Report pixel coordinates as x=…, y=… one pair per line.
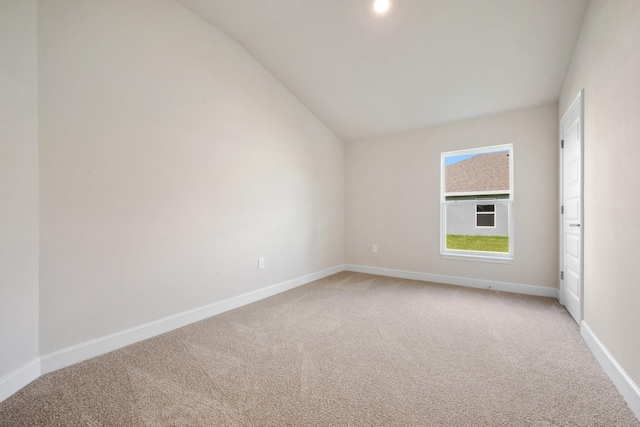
x=479, y=258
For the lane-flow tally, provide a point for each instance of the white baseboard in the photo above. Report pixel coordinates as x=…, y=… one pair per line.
x=541, y=291
x=14, y=381
x=625, y=385
x=83, y=351
x=78, y=353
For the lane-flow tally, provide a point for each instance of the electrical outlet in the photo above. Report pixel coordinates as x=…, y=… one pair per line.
x=374, y=249
x=260, y=263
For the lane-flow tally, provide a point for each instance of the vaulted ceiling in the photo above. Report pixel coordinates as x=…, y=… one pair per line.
x=424, y=62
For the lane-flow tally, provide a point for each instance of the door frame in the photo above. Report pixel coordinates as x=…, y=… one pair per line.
x=578, y=102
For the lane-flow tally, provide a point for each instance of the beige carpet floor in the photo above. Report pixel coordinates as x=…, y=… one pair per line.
x=349, y=350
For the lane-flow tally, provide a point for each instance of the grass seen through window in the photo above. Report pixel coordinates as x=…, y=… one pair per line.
x=478, y=243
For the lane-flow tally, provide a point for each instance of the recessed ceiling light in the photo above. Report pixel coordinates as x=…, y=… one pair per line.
x=381, y=6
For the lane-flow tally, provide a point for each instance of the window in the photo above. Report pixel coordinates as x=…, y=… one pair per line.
x=476, y=204
x=485, y=216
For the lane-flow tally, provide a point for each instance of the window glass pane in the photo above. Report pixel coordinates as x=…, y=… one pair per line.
x=487, y=220
x=482, y=173
x=486, y=208
x=462, y=233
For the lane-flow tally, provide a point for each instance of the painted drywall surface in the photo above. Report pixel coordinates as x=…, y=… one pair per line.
x=606, y=64
x=392, y=188
x=18, y=184
x=170, y=161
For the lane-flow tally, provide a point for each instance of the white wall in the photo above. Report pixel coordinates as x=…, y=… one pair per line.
x=606, y=64
x=18, y=185
x=392, y=188
x=170, y=161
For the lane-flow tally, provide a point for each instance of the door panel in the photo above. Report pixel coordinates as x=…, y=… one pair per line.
x=573, y=282
x=572, y=208
x=571, y=224
x=573, y=246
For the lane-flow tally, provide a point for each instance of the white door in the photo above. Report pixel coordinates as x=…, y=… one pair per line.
x=571, y=199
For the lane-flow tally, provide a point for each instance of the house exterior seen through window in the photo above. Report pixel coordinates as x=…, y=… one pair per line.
x=477, y=203
x=485, y=216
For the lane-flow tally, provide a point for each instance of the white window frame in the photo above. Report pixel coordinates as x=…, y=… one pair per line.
x=500, y=257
